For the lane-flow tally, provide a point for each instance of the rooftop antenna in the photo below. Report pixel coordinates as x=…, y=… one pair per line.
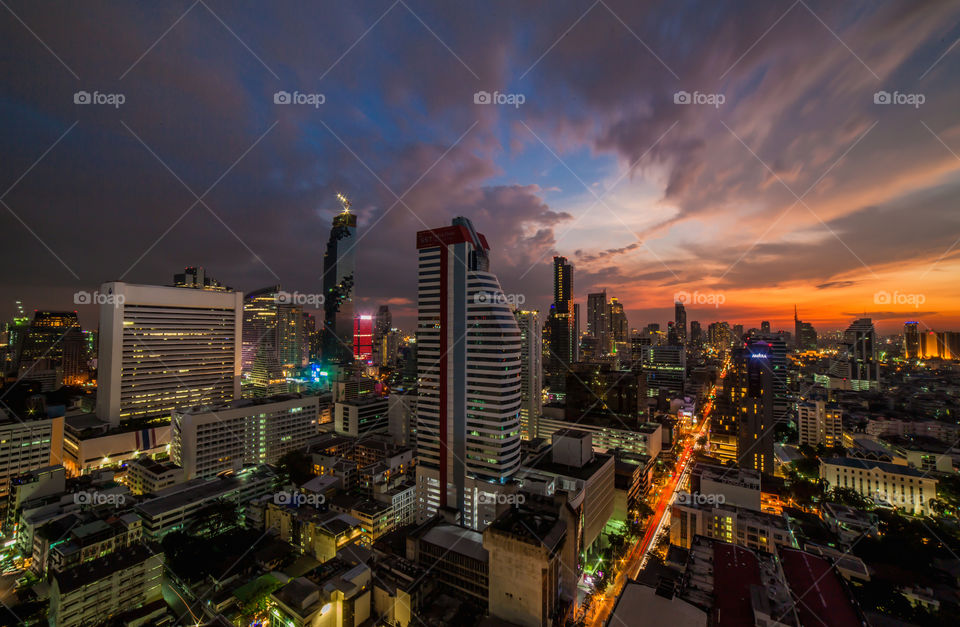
x=345, y=202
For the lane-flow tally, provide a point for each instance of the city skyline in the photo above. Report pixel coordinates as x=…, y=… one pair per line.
x=803, y=186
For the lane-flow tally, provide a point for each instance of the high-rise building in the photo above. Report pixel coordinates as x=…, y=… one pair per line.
x=195, y=277
x=54, y=340
x=166, y=347
x=743, y=426
x=259, y=325
x=665, y=369
x=680, y=322
x=598, y=321
x=531, y=372
x=363, y=338
x=911, y=340
x=469, y=365
x=819, y=422
x=617, y=325
x=804, y=335
x=696, y=333
x=765, y=326
x=563, y=331
x=381, y=326
x=860, y=347
x=339, y=280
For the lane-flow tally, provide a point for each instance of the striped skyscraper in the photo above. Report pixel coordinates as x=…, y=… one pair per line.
x=468, y=362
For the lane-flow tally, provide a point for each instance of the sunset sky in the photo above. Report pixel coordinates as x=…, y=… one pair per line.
x=799, y=188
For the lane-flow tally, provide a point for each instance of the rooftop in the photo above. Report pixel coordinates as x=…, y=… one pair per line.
x=866, y=464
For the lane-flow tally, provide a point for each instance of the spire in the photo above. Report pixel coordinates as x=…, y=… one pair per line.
x=344, y=201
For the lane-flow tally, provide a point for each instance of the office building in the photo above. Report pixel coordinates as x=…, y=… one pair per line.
x=804, y=335
x=531, y=372
x=563, y=326
x=820, y=422
x=339, y=281
x=362, y=416
x=166, y=347
x=680, y=322
x=699, y=514
x=665, y=371
x=696, y=334
x=859, y=348
x=469, y=364
x=195, y=277
x=28, y=445
x=363, y=338
x=617, y=326
x=765, y=327
x=598, y=326
x=209, y=440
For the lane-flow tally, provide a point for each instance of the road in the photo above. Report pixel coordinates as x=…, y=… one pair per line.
x=603, y=605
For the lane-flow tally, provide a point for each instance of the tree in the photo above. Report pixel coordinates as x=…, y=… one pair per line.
x=849, y=497
x=295, y=467
x=702, y=441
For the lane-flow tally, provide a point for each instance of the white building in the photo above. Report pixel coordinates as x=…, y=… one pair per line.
x=531, y=371
x=362, y=416
x=26, y=446
x=820, y=422
x=890, y=485
x=118, y=582
x=166, y=347
x=468, y=362
x=206, y=441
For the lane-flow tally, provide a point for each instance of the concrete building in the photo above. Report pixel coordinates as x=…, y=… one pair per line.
x=820, y=422
x=736, y=486
x=455, y=556
x=587, y=477
x=525, y=560
x=28, y=445
x=699, y=514
x=97, y=590
x=363, y=416
x=531, y=371
x=321, y=535
x=166, y=347
x=211, y=439
x=341, y=600
x=176, y=506
x=146, y=475
x=889, y=485
x=90, y=443
x=645, y=439
x=469, y=365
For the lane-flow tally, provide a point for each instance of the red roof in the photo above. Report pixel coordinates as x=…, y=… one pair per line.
x=735, y=569
x=817, y=590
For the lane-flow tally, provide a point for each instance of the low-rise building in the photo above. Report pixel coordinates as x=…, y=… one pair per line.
x=886, y=484
x=146, y=475
x=93, y=592
x=700, y=515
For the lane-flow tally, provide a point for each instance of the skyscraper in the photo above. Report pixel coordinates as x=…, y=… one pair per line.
x=617, y=326
x=765, y=326
x=363, y=338
x=804, y=335
x=166, y=347
x=598, y=320
x=339, y=266
x=531, y=372
x=696, y=333
x=911, y=341
x=860, y=343
x=469, y=365
x=680, y=322
x=563, y=324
